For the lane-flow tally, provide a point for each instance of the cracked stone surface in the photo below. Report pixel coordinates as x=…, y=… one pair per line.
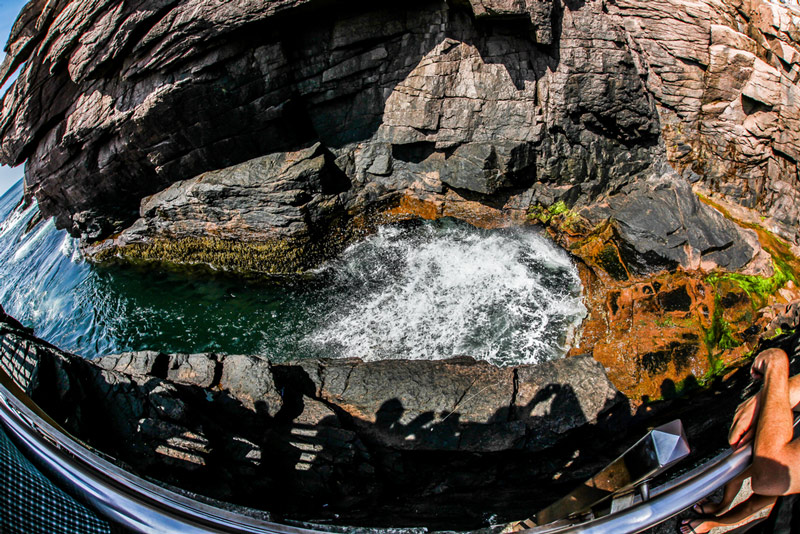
x=507, y=104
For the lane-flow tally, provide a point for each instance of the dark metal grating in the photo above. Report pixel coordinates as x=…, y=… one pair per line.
x=31, y=504
x=20, y=360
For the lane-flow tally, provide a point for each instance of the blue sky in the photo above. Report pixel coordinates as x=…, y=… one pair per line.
x=9, y=9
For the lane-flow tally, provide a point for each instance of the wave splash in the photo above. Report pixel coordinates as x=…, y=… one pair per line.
x=417, y=291
x=437, y=290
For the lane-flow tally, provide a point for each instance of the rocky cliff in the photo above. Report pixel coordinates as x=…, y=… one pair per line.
x=452, y=106
x=656, y=141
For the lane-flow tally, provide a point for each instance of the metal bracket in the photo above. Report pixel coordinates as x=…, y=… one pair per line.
x=653, y=454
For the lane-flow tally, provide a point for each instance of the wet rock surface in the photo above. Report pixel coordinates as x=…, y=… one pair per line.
x=277, y=212
x=662, y=225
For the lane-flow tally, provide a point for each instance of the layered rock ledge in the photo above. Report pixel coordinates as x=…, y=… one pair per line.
x=264, y=139
x=464, y=105
x=442, y=444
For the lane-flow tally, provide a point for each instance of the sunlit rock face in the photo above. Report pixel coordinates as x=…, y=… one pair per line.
x=726, y=83
x=425, y=98
x=505, y=103
x=557, y=99
x=267, y=138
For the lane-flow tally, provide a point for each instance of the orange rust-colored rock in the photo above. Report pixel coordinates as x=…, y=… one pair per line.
x=411, y=206
x=655, y=334
x=454, y=205
x=481, y=215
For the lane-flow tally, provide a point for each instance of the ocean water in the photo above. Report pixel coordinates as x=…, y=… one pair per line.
x=435, y=290
x=427, y=290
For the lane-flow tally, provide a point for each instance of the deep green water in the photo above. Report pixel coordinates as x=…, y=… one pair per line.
x=427, y=290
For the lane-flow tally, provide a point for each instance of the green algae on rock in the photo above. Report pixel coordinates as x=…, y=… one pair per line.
x=274, y=214
x=279, y=256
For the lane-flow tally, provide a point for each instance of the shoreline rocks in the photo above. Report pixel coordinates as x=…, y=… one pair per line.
x=438, y=444
x=277, y=213
x=460, y=404
x=340, y=433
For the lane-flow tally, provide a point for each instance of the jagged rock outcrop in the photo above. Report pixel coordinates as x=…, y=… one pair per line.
x=661, y=224
x=391, y=92
x=725, y=76
x=456, y=105
x=275, y=213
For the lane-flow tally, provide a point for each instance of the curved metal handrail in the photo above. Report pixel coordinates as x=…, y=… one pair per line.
x=667, y=500
x=141, y=506
x=675, y=500
x=114, y=493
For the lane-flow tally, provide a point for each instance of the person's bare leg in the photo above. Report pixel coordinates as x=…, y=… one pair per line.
x=741, y=513
x=729, y=493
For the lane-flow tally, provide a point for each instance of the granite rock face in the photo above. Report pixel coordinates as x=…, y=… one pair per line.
x=274, y=213
x=282, y=194
x=464, y=404
x=160, y=110
x=725, y=77
x=661, y=224
x=318, y=438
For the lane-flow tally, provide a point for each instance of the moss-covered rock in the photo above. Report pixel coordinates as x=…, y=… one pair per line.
x=278, y=256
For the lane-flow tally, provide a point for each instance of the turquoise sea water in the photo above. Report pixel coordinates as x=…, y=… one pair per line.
x=427, y=290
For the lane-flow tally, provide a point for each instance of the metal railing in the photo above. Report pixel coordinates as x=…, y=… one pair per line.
x=665, y=501
x=141, y=506
x=119, y=496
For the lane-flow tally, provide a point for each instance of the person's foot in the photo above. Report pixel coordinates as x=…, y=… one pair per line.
x=695, y=526
x=707, y=507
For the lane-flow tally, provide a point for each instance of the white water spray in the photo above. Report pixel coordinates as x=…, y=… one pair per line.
x=441, y=290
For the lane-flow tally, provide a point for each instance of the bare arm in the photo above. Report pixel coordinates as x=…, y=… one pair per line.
x=743, y=428
x=794, y=391
x=776, y=470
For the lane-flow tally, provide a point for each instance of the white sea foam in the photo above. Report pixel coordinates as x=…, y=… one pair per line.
x=434, y=292
x=17, y=218
x=69, y=248
x=30, y=242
